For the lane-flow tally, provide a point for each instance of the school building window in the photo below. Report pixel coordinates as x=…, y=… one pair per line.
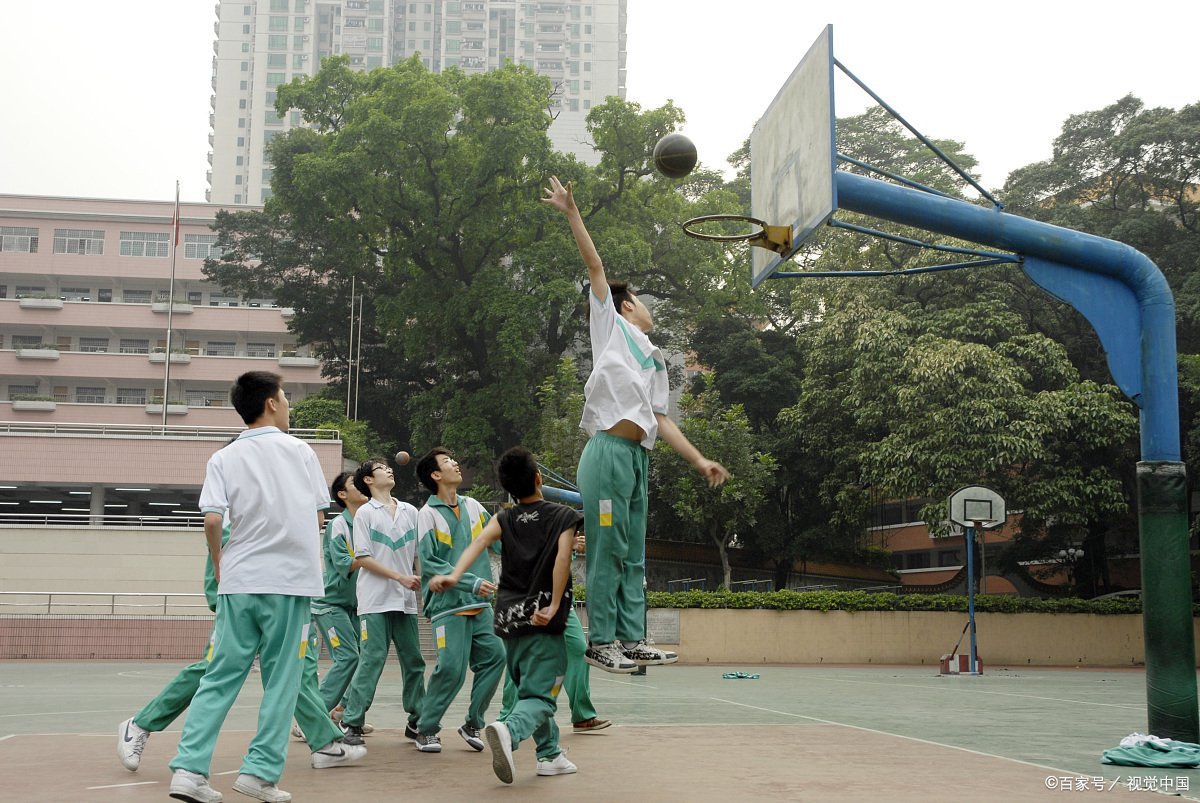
x=145, y=244
x=20, y=239
x=78, y=241
x=201, y=246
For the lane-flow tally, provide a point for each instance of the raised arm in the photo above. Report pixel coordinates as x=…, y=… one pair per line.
x=714, y=472
x=562, y=199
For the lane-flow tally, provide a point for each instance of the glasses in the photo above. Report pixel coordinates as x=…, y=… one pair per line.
x=383, y=468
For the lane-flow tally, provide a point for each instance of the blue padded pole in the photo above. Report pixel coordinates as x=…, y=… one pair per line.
x=1171, y=693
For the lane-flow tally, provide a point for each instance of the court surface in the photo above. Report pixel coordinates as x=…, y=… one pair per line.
x=680, y=733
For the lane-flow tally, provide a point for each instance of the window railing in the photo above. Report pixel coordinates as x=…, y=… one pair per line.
x=100, y=602
x=150, y=430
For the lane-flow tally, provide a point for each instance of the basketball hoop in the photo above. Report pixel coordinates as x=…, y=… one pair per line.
x=772, y=238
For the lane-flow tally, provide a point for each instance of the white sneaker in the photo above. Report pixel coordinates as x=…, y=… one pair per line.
x=643, y=654
x=259, y=789
x=296, y=732
x=131, y=740
x=500, y=740
x=337, y=754
x=193, y=787
x=559, y=765
x=610, y=658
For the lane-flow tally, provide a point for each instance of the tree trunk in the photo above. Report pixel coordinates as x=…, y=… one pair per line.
x=725, y=570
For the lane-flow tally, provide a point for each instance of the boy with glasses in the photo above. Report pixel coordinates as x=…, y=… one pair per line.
x=385, y=545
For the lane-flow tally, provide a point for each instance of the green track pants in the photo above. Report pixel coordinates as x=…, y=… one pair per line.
x=311, y=714
x=462, y=641
x=173, y=700
x=274, y=626
x=612, y=481
x=576, y=684
x=378, y=632
x=340, y=632
x=537, y=664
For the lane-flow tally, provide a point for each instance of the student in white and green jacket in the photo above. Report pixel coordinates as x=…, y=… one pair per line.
x=461, y=617
x=336, y=613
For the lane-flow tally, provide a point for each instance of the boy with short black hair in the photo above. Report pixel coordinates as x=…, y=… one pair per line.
x=385, y=533
x=462, y=625
x=271, y=487
x=532, y=605
x=625, y=411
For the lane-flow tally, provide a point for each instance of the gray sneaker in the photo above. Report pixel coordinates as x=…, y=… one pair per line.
x=428, y=743
x=643, y=654
x=610, y=658
x=193, y=788
x=257, y=788
x=131, y=740
x=472, y=737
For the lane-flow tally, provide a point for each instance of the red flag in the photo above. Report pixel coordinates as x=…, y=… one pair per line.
x=175, y=221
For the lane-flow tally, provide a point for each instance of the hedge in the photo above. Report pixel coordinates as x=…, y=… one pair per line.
x=872, y=601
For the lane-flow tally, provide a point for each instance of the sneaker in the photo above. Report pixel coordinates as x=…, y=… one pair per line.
x=131, y=740
x=337, y=754
x=367, y=730
x=593, y=724
x=610, y=658
x=428, y=743
x=643, y=654
x=356, y=731
x=559, y=765
x=259, y=789
x=472, y=737
x=500, y=740
x=193, y=787
x=296, y=732
x=410, y=730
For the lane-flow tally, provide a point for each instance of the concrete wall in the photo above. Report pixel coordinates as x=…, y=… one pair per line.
x=906, y=637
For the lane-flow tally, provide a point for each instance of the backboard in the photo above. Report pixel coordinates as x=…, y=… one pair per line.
x=793, y=156
x=975, y=503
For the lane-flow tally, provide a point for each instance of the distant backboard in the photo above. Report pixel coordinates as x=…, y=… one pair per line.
x=793, y=156
x=975, y=503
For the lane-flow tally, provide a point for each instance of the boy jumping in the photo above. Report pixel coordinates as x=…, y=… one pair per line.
x=625, y=406
x=385, y=544
x=532, y=606
x=461, y=619
x=272, y=486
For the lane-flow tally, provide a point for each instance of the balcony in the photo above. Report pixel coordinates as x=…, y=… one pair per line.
x=34, y=405
x=173, y=408
x=212, y=137
x=30, y=302
x=37, y=353
x=84, y=367
x=176, y=357
x=179, y=307
x=210, y=158
x=212, y=101
x=298, y=362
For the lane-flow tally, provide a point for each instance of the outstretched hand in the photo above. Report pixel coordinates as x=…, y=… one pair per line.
x=558, y=196
x=714, y=472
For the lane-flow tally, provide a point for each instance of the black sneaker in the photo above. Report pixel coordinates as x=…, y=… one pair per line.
x=643, y=654
x=410, y=730
x=353, y=733
x=472, y=737
x=428, y=743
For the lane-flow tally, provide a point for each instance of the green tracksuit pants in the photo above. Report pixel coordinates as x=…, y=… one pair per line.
x=537, y=664
x=340, y=632
x=462, y=641
x=576, y=683
x=311, y=714
x=173, y=700
x=272, y=625
x=379, y=632
x=612, y=481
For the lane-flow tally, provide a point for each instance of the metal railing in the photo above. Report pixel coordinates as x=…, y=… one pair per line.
x=183, y=520
x=101, y=602
x=752, y=585
x=693, y=584
x=149, y=431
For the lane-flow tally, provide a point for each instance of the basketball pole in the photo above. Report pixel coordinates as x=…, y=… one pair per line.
x=971, y=593
x=1097, y=277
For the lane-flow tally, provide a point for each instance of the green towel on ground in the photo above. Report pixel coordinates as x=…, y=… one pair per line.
x=740, y=675
x=1140, y=750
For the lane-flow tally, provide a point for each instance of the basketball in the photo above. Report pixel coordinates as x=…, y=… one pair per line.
x=402, y=458
x=675, y=156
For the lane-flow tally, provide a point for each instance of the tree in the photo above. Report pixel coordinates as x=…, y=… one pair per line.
x=720, y=514
x=560, y=439
x=322, y=411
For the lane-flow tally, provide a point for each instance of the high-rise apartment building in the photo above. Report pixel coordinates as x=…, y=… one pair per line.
x=264, y=43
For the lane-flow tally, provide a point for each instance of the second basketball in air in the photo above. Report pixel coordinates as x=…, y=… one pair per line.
x=675, y=156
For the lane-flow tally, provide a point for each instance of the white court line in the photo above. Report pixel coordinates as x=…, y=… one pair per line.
x=230, y=772
x=900, y=736
x=997, y=693
x=119, y=785
x=100, y=711
x=9, y=736
x=622, y=682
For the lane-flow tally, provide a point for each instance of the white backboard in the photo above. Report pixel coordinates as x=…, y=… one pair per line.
x=793, y=156
x=975, y=503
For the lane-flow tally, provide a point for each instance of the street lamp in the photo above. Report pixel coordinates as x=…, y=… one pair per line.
x=1068, y=557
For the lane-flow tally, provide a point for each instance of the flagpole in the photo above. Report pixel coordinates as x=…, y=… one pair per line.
x=170, y=308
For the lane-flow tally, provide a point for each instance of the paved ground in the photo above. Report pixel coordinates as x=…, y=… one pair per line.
x=796, y=733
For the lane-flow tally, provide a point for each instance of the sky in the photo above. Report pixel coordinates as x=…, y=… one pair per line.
x=111, y=100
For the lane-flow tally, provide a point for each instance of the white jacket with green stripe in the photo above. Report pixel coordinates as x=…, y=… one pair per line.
x=391, y=540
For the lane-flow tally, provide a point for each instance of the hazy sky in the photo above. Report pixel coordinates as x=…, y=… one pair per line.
x=111, y=99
